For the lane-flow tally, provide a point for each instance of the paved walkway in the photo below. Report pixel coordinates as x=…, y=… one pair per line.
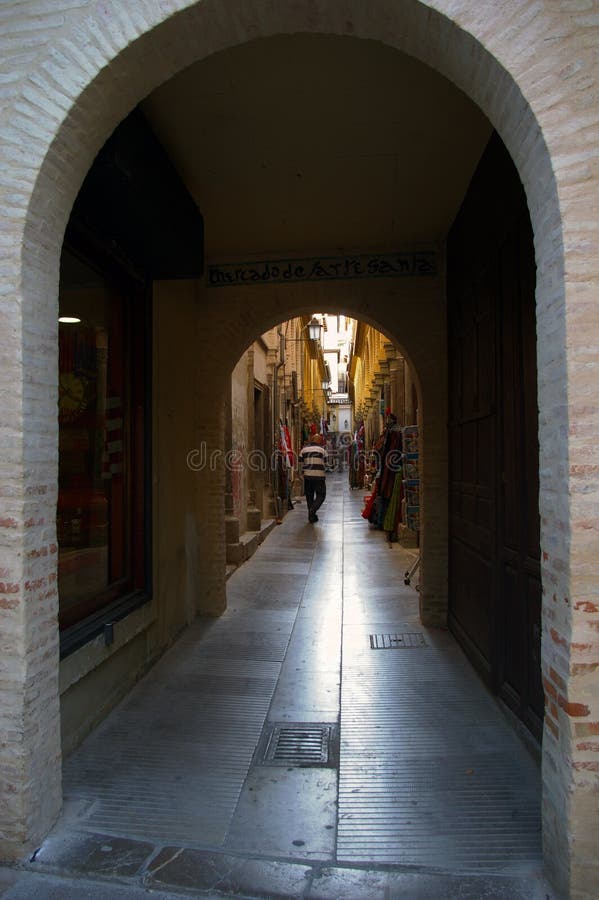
x=314, y=742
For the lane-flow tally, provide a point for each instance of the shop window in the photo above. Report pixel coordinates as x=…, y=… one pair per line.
x=101, y=515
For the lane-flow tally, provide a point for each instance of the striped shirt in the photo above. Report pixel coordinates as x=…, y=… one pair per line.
x=313, y=457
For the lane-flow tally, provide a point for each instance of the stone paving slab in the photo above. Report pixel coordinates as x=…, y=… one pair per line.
x=176, y=872
x=44, y=886
x=94, y=854
x=227, y=874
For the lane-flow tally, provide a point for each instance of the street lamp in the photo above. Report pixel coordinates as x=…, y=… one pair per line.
x=314, y=327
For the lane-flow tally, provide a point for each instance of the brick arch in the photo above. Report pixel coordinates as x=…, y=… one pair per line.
x=77, y=86
x=378, y=318
x=417, y=329
x=262, y=321
x=411, y=313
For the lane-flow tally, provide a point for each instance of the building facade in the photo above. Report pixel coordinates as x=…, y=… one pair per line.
x=70, y=73
x=381, y=381
x=276, y=400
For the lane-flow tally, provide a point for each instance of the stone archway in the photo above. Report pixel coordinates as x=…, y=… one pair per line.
x=528, y=69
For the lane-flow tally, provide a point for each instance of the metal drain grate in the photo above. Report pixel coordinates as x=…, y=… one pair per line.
x=298, y=745
x=397, y=641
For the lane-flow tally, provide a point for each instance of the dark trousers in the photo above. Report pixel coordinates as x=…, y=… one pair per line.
x=315, y=490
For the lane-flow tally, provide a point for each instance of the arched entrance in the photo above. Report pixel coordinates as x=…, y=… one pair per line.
x=82, y=99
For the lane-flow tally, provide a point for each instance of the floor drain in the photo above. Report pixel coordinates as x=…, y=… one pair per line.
x=298, y=744
x=396, y=641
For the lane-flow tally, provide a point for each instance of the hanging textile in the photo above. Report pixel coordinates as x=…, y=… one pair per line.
x=367, y=511
x=356, y=458
x=391, y=456
x=286, y=463
x=285, y=445
x=393, y=513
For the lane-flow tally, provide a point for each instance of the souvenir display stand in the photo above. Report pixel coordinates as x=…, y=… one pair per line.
x=393, y=503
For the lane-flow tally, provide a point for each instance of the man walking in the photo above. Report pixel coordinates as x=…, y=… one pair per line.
x=313, y=459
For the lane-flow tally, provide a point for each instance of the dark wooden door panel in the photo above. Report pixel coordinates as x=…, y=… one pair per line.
x=514, y=626
x=495, y=588
x=472, y=597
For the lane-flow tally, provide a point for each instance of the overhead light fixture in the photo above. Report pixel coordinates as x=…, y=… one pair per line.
x=69, y=320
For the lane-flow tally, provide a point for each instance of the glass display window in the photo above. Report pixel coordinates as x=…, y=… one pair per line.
x=101, y=441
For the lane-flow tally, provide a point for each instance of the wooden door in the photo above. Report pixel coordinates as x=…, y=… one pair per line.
x=519, y=662
x=472, y=470
x=495, y=587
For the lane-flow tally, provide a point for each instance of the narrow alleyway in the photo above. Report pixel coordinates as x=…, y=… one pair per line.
x=286, y=749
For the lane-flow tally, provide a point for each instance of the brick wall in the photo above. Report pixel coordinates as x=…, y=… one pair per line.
x=69, y=70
